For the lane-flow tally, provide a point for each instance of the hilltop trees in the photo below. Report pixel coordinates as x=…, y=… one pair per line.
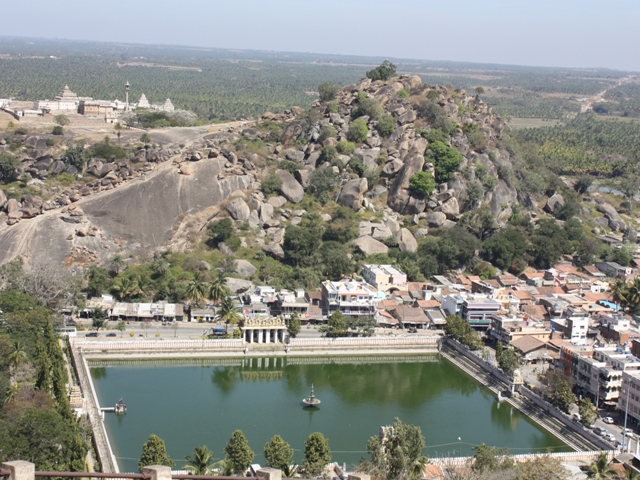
x=384, y=71
x=278, y=453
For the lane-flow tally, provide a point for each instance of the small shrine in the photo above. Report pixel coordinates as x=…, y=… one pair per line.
x=264, y=329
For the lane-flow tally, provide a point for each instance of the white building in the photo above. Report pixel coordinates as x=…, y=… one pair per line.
x=349, y=297
x=384, y=277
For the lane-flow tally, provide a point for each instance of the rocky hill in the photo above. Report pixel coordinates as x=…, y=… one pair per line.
x=165, y=196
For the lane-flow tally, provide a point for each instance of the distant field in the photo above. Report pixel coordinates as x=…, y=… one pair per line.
x=517, y=123
x=621, y=119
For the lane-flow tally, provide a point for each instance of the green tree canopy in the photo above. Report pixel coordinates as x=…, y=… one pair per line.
x=357, y=131
x=398, y=456
x=238, y=453
x=384, y=71
x=316, y=453
x=328, y=91
x=278, y=453
x=154, y=452
x=446, y=160
x=422, y=184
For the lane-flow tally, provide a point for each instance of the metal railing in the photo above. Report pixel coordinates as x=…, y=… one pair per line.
x=117, y=476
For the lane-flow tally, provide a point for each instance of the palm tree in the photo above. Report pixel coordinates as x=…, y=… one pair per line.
x=219, y=288
x=416, y=469
x=620, y=291
x=116, y=262
x=201, y=462
x=161, y=266
x=600, y=469
x=633, y=297
x=228, y=311
x=16, y=356
x=197, y=288
x=631, y=475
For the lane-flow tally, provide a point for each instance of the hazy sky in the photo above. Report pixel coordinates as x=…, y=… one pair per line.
x=564, y=33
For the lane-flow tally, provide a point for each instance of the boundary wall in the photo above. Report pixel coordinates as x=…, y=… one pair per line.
x=562, y=456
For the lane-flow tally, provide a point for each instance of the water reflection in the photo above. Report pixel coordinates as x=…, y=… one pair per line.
x=98, y=373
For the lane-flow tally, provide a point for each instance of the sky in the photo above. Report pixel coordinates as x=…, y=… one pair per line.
x=557, y=33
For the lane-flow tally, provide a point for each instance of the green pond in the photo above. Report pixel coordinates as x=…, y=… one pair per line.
x=202, y=402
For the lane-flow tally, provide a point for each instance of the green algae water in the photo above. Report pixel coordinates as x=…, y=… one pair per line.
x=202, y=402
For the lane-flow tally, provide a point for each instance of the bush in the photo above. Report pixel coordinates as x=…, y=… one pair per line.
x=385, y=71
x=446, y=160
x=345, y=147
x=474, y=192
x=357, y=131
x=329, y=154
x=490, y=182
x=357, y=166
x=61, y=119
x=481, y=170
x=50, y=142
x=404, y=93
x=322, y=182
x=107, y=150
x=271, y=184
x=435, y=135
x=8, y=167
x=432, y=95
x=57, y=130
x=328, y=91
x=367, y=106
x=422, y=184
x=386, y=125
x=327, y=132
x=221, y=231
x=583, y=183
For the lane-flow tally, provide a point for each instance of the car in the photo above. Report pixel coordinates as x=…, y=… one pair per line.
x=610, y=436
x=627, y=432
x=599, y=431
x=607, y=419
x=92, y=334
x=577, y=417
x=111, y=334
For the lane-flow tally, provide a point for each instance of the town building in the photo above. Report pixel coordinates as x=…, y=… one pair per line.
x=613, y=269
x=349, y=297
x=475, y=309
x=160, y=311
x=384, y=277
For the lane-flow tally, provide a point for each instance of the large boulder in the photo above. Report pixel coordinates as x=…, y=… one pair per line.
x=290, y=189
x=611, y=214
x=407, y=242
x=554, y=203
x=369, y=245
x=368, y=156
x=12, y=205
x=238, y=210
x=245, y=268
x=399, y=198
x=266, y=212
x=274, y=249
x=352, y=193
x=277, y=201
x=436, y=219
x=3, y=199
x=294, y=155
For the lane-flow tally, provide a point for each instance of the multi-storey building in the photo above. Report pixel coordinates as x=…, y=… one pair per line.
x=349, y=297
x=384, y=277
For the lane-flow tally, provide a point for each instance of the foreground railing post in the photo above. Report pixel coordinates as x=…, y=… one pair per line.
x=20, y=470
x=269, y=473
x=158, y=472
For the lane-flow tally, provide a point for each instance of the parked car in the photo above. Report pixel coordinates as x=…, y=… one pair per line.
x=92, y=334
x=607, y=419
x=599, y=431
x=610, y=436
x=627, y=432
x=111, y=334
x=577, y=417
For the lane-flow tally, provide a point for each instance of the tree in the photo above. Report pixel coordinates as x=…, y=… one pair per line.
x=422, y=184
x=600, y=468
x=357, y=131
x=97, y=281
x=57, y=130
x=479, y=91
x=218, y=287
x=322, y=182
x=587, y=411
x=505, y=247
x=384, y=71
x=629, y=185
x=294, y=325
x=197, y=288
x=145, y=138
x=508, y=360
x=201, y=462
x=62, y=120
x=386, y=125
x=328, y=91
x=560, y=394
x=542, y=468
x=116, y=263
x=335, y=261
x=228, y=311
x=118, y=128
x=446, y=160
x=99, y=319
x=221, y=231
x=160, y=266
x=583, y=183
x=16, y=356
x=336, y=326
x=490, y=459
x=368, y=106
x=271, y=184
x=238, y=454
x=154, y=452
x=121, y=327
x=397, y=453
x=278, y=453
x=8, y=167
x=316, y=453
